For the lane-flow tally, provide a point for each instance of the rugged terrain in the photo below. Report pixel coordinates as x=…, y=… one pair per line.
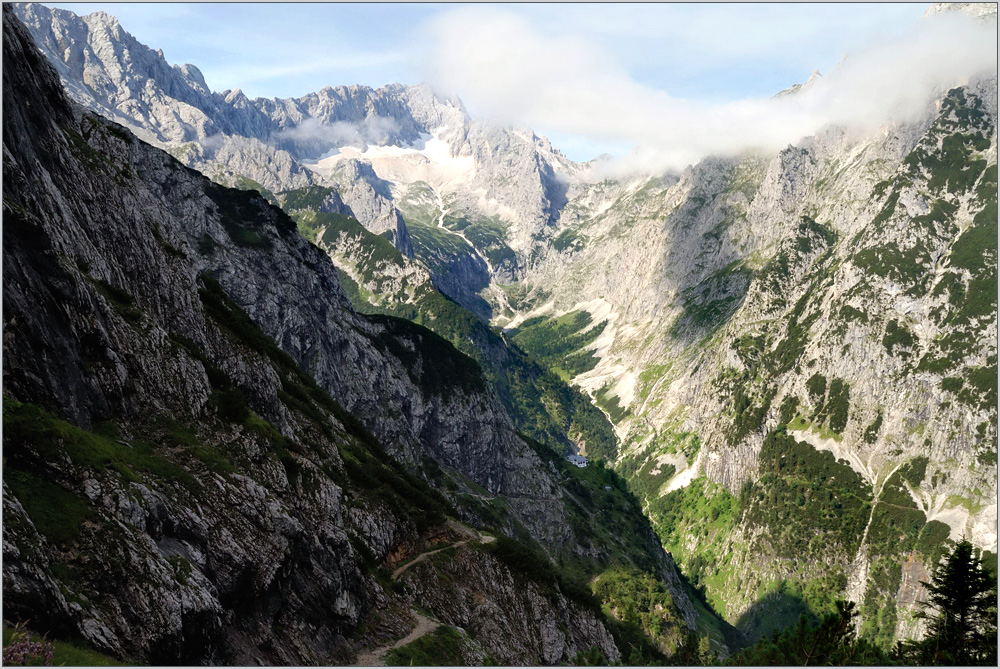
x=210, y=457
x=797, y=351
x=450, y=193
x=835, y=303
x=499, y=185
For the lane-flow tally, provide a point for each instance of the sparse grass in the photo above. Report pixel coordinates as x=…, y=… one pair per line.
x=434, y=246
x=247, y=216
x=121, y=301
x=433, y=362
x=488, y=237
x=242, y=182
x=57, y=513
x=713, y=301
x=607, y=400
x=379, y=251
x=800, y=424
x=28, y=428
x=69, y=653
x=569, y=240
x=308, y=198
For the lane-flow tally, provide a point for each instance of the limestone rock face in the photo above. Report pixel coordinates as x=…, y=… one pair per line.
x=558, y=628
x=243, y=162
x=367, y=198
x=841, y=290
x=751, y=281
x=508, y=177
x=187, y=383
x=105, y=67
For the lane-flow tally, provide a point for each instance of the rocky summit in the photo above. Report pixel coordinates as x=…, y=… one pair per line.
x=294, y=381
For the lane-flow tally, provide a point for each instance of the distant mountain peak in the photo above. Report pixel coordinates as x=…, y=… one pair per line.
x=101, y=16
x=798, y=88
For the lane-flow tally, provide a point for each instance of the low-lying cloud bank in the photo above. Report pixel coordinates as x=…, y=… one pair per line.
x=313, y=131
x=513, y=73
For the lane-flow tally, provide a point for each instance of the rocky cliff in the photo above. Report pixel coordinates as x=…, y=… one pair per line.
x=798, y=350
x=508, y=183
x=835, y=302
x=197, y=426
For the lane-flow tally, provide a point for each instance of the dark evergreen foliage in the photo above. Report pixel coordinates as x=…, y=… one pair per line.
x=961, y=614
x=831, y=643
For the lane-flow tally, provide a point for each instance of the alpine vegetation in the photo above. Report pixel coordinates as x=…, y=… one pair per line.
x=381, y=376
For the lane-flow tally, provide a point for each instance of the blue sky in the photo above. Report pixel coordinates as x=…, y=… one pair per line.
x=697, y=52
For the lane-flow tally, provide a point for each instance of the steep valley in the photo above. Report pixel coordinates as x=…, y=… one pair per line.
x=259, y=366
x=211, y=458
x=863, y=327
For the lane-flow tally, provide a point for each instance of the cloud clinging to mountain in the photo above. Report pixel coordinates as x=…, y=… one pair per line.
x=511, y=71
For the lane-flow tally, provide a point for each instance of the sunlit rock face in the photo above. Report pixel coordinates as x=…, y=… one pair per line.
x=209, y=454
x=510, y=181
x=843, y=288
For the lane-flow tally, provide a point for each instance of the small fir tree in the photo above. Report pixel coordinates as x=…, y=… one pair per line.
x=961, y=614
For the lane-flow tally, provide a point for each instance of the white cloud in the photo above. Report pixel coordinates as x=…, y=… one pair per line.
x=373, y=129
x=510, y=71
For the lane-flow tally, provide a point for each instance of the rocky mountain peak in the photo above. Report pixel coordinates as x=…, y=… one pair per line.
x=192, y=74
x=234, y=96
x=101, y=20
x=797, y=350
x=798, y=88
x=435, y=108
x=238, y=461
x=111, y=73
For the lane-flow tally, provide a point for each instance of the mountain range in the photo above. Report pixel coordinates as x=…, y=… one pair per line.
x=355, y=313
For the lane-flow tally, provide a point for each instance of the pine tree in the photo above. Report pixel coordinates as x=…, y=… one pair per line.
x=961, y=614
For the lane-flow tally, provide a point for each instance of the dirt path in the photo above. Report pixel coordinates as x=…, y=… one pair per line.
x=423, y=556
x=486, y=539
x=376, y=657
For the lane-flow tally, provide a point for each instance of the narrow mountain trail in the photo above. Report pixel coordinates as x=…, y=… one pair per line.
x=424, y=626
x=376, y=657
x=423, y=556
x=536, y=498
